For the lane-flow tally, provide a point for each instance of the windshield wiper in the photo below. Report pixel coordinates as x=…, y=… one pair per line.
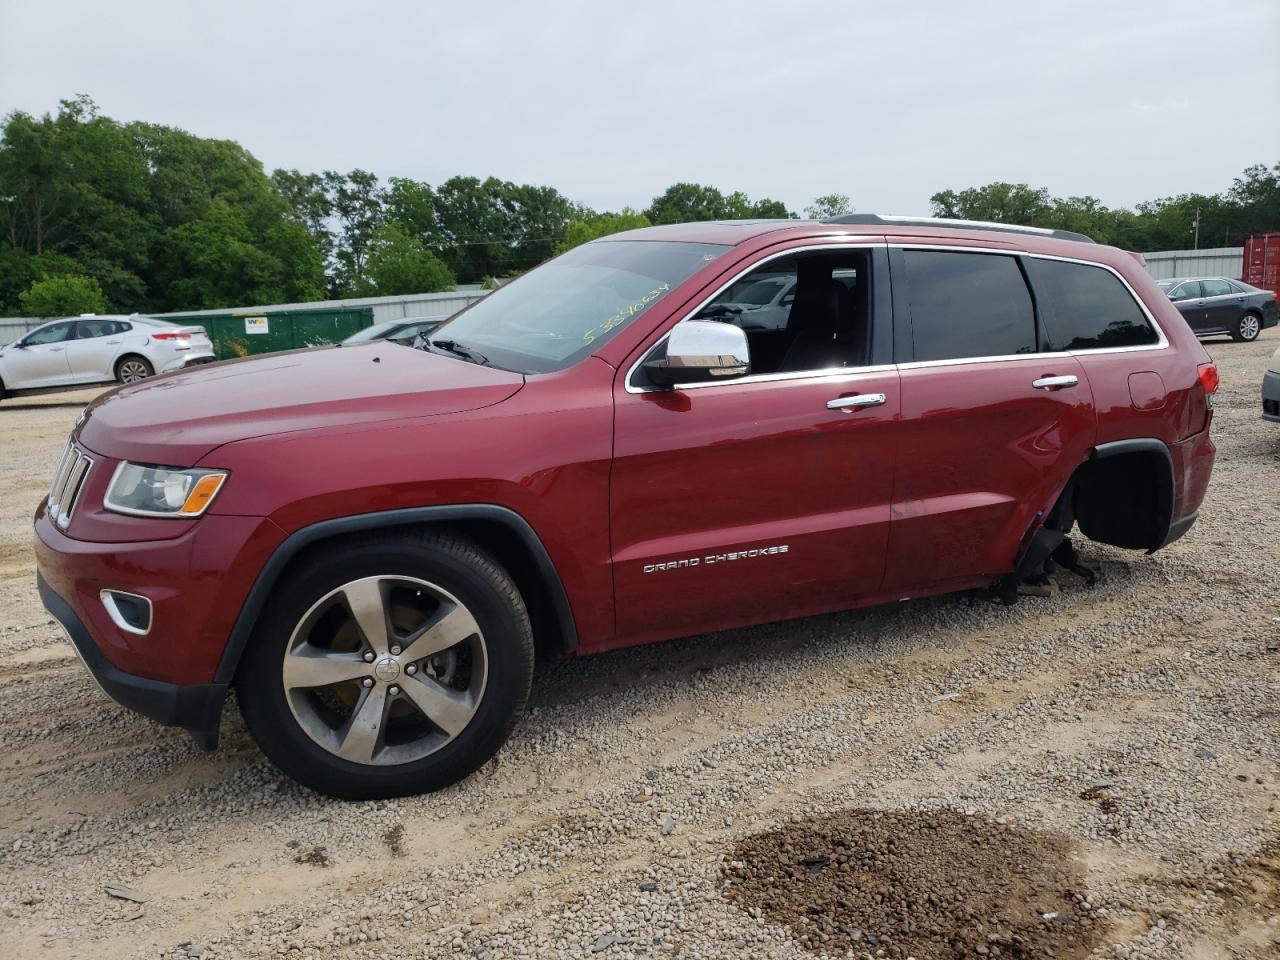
x=458, y=350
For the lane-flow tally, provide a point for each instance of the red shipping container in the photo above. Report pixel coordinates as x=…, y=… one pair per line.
x=1262, y=261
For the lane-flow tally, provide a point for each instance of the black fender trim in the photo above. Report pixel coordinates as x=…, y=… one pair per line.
x=1164, y=503
x=360, y=523
x=1137, y=445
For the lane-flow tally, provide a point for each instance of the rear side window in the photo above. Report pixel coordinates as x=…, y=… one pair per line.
x=968, y=305
x=1217, y=288
x=1087, y=308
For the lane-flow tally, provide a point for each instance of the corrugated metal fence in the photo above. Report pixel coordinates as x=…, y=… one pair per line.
x=1215, y=262
x=376, y=309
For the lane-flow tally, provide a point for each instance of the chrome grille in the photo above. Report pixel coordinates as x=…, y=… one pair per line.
x=68, y=481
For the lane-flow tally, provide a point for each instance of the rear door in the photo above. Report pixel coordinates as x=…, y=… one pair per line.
x=760, y=498
x=992, y=426
x=92, y=352
x=1223, y=304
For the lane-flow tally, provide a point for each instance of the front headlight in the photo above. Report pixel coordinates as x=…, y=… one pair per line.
x=162, y=491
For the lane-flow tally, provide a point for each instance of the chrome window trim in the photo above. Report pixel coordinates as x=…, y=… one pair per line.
x=1162, y=341
x=997, y=358
x=825, y=372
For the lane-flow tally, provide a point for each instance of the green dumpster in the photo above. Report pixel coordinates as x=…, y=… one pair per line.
x=246, y=333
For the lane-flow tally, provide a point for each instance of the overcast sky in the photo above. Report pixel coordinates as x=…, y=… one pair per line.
x=611, y=102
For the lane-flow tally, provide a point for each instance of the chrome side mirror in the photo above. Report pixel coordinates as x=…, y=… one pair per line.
x=701, y=351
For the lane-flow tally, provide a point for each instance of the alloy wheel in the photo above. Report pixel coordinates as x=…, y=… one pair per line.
x=1249, y=327
x=385, y=670
x=131, y=371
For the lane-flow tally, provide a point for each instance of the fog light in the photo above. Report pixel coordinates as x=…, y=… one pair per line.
x=128, y=611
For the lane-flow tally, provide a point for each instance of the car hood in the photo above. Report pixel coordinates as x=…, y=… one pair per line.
x=176, y=419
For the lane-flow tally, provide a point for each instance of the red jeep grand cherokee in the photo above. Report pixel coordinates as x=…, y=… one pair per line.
x=661, y=433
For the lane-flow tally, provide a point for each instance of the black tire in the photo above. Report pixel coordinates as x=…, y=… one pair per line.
x=2, y=393
x=125, y=365
x=455, y=565
x=1246, y=331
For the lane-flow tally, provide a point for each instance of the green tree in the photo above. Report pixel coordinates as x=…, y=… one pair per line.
x=1256, y=194
x=690, y=202
x=538, y=219
x=358, y=208
x=997, y=202
x=72, y=185
x=412, y=204
x=63, y=296
x=396, y=263
x=828, y=206
x=591, y=227
x=476, y=227
x=309, y=203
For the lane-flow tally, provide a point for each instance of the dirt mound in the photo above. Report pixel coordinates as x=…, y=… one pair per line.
x=931, y=884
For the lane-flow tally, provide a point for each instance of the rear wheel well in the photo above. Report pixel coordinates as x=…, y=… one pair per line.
x=551, y=637
x=1123, y=495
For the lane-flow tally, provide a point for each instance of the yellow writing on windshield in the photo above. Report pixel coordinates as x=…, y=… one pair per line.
x=626, y=313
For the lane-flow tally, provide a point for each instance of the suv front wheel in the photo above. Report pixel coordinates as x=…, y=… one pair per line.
x=388, y=667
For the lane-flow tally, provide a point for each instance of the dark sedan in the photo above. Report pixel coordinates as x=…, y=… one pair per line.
x=403, y=331
x=1218, y=305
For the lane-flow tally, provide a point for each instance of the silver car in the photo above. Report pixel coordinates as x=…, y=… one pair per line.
x=88, y=350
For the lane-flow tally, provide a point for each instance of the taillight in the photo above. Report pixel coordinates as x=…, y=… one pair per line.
x=1208, y=374
x=179, y=335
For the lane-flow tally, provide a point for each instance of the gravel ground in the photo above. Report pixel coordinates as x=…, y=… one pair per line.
x=1111, y=755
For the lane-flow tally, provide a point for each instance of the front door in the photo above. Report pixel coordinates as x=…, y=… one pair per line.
x=1190, y=303
x=40, y=359
x=766, y=497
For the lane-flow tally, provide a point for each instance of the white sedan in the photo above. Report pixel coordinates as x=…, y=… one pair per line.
x=99, y=349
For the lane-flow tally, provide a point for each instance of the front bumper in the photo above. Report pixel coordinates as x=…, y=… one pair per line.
x=1271, y=396
x=194, y=707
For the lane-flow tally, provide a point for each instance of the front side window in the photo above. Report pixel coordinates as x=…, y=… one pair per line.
x=968, y=305
x=817, y=315
x=1088, y=308
x=1217, y=288
x=553, y=316
x=1186, y=291
x=54, y=333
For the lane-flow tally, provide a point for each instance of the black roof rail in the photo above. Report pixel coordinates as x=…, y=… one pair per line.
x=888, y=221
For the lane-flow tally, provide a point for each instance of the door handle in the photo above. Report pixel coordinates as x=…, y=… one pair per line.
x=1055, y=383
x=56, y=349
x=113, y=341
x=857, y=400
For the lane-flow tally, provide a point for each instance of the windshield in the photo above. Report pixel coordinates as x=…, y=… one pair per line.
x=377, y=331
x=1165, y=284
x=555, y=315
